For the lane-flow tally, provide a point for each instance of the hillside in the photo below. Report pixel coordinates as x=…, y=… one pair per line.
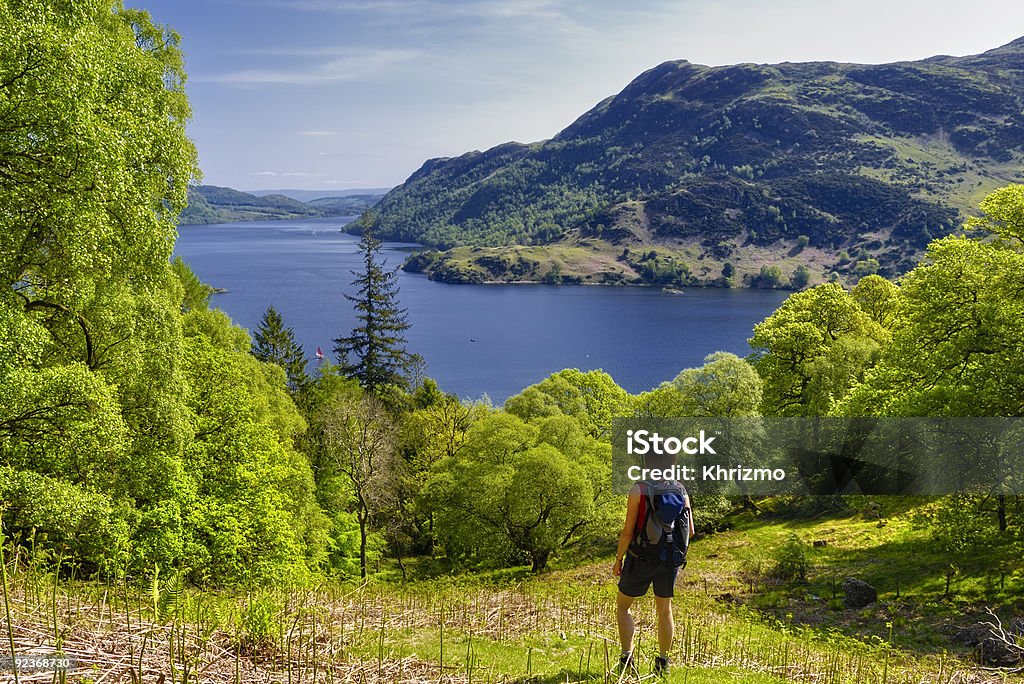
x=212, y=204
x=843, y=168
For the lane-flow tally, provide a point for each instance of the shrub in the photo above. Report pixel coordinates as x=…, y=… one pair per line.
x=791, y=562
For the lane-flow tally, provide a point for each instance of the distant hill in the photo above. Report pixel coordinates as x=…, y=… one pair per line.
x=734, y=175
x=310, y=195
x=212, y=204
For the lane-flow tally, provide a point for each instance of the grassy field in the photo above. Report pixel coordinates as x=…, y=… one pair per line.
x=735, y=621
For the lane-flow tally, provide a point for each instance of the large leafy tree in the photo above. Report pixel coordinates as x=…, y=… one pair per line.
x=135, y=428
x=519, y=492
x=275, y=343
x=725, y=386
x=374, y=352
x=592, y=397
x=813, y=349
x=957, y=347
x=94, y=166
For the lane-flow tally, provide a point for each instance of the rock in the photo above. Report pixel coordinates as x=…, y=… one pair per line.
x=995, y=653
x=858, y=593
x=971, y=636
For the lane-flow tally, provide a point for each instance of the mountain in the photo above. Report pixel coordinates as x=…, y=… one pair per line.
x=212, y=204
x=728, y=175
x=310, y=195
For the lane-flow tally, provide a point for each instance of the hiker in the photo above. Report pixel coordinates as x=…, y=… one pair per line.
x=652, y=549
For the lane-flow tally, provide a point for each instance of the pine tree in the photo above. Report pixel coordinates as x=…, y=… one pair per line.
x=274, y=343
x=374, y=352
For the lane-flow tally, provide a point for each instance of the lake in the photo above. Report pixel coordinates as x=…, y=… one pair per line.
x=476, y=339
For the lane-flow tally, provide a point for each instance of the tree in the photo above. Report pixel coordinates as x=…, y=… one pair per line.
x=878, y=298
x=800, y=278
x=510, y=496
x=592, y=397
x=196, y=294
x=135, y=427
x=726, y=386
x=957, y=345
x=957, y=341
x=94, y=167
x=355, y=437
x=374, y=353
x=274, y=343
x=813, y=350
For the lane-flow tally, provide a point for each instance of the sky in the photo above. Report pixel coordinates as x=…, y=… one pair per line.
x=340, y=94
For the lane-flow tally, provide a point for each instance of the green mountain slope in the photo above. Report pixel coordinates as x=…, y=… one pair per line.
x=841, y=168
x=212, y=204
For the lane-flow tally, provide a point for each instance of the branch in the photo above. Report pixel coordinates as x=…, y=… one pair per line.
x=35, y=305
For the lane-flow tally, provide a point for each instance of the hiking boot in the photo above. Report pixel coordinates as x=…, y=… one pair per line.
x=661, y=666
x=626, y=662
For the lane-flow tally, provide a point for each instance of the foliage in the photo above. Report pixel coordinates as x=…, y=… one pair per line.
x=956, y=345
x=592, y=397
x=512, y=493
x=790, y=561
x=725, y=386
x=813, y=349
x=957, y=525
x=94, y=529
x=801, y=277
x=135, y=428
x=196, y=294
x=374, y=352
x=275, y=343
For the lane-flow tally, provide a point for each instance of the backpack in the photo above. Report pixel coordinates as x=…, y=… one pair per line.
x=662, y=531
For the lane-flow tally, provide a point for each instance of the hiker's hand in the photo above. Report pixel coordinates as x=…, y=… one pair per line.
x=617, y=568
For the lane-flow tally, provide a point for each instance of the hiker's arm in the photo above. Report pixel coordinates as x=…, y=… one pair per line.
x=632, y=508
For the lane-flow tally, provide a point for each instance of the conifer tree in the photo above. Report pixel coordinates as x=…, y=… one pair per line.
x=374, y=352
x=275, y=343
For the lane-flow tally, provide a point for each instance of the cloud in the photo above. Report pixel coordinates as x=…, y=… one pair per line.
x=441, y=11
x=352, y=67
x=288, y=174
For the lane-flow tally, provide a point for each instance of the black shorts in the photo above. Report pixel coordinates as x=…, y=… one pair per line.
x=638, y=575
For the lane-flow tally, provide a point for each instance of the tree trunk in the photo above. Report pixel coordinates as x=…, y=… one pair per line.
x=540, y=561
x=362, y=546
x=1001, y=511
x=401, y=564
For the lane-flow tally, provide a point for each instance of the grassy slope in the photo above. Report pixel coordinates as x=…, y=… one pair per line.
x=733, y=625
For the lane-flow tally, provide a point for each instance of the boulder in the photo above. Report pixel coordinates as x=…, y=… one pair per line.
x=858, y=593
x=993, y=652
x=972, y=636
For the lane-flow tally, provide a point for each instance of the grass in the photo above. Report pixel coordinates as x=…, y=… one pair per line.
x=734, y=623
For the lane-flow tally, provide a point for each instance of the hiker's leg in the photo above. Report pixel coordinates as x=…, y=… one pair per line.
x=625, y=619
x=666, y=625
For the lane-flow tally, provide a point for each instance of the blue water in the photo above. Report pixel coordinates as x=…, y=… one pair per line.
x=476, y=339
